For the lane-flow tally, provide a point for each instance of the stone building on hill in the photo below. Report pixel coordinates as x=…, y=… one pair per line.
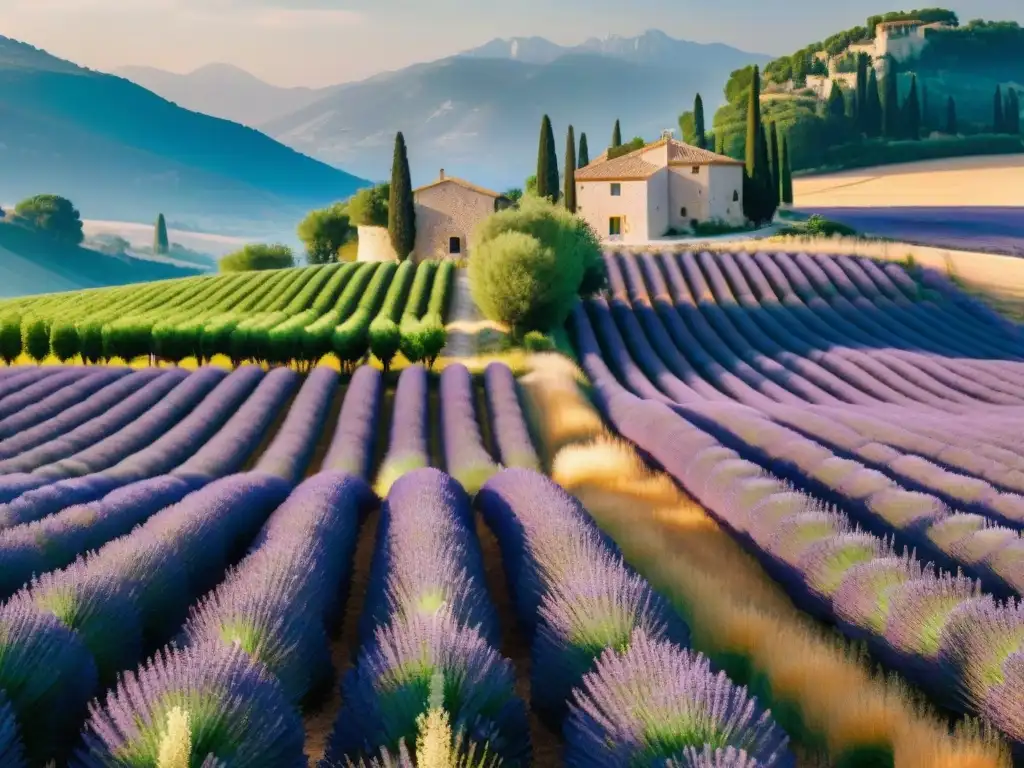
x=447, y=211
x=662, y=187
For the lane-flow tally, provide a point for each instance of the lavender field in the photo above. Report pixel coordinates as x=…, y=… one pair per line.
x=859, y=436
x=987, y=229
x=782, y=528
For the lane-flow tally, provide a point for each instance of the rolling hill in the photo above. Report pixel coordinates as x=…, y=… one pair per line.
x=121, y=152
x=32, y=263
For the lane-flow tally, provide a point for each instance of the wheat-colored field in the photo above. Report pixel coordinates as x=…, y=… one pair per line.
x=963, y=181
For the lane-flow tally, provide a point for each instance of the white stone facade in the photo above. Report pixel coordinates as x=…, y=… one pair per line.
x=375, y=245
x=447, y=213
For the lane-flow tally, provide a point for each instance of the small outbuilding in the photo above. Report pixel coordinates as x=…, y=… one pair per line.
x=447, y=212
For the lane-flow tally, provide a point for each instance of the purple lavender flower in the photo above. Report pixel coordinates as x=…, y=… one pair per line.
x=864, y=596
x=864, y=483
x=729, y=757
x=743, y=495
x=465, y=457
x=236, y=713
x=38, y=411
x=826, y=563
x=37, y=393
x=920, y=610
x=48, y=677
x=949, y=531
x=407, y=449
x=292, y=448
x=978, y=638
x=1004, y=705
x=1008, y=564
x=765, y=516
x=599, y=605
x=389, y=688
x=277, y=604
x=906, y=509
x=508, y=424
x=982, y=545
x=352, y=445
x=648, y=704
x=428, y=558
x=43, y=446
x=794, y=536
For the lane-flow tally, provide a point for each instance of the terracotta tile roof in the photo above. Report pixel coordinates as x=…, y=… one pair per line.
x=461, y=183
x=904, y=23
x=627, y=167
x=633, y=166
x=686, y=154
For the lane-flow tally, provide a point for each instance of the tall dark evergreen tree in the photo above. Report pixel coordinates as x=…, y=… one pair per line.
x=547, y=162
x=584, y=152
x=951, y=126
x=836, y=102
x=758, y=197
x=617, y=135
x=873, y=107
x=569, y=181
x=773, y=152
x=401, y=209
x=862, y=93
x=161, y=244
x=998, y=119
x=786, y=180
x=912, y=112
x=698, y=122
x=891, y=123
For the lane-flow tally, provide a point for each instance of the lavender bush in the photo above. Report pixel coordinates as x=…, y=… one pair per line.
x=408, y=448
x=507, y=422
x=352, y=446
x=465, y=457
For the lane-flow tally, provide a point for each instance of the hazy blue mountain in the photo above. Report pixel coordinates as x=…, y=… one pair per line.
x=477, y=114
x=119, y=151
x=223, y=90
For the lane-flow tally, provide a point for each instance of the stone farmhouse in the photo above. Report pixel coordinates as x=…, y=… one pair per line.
x=660, y=188
x=447, y=211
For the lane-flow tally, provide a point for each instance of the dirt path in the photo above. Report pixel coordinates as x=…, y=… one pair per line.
x=469, y=333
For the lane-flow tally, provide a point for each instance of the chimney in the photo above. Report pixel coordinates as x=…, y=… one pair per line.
x=442, y=174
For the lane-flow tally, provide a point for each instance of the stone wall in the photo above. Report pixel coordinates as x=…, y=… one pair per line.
x=375, y=245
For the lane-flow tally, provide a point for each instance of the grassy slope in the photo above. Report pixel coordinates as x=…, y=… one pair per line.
x=32, y=263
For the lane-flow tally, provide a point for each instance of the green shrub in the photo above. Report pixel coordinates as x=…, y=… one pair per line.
x=64, y=340
x=385, y=340
x=420, y=292
x=411, y=345
x=530, y=281
x=256, y=256
x=10, y=338
x=432, y=337
x=36, y=338
x=716, y=227
x=441, y=290
x=535, y=341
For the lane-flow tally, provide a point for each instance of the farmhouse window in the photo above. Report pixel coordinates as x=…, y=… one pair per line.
x=682, y=212
x=695, y=170
x=615, y=225
x=735, y=195
x=616, y=190
x=454, y=245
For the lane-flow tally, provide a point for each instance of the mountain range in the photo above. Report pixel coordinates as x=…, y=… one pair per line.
x=120, y=151
x=477, y=113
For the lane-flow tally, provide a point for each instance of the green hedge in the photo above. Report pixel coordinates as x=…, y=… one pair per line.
x=866, y=154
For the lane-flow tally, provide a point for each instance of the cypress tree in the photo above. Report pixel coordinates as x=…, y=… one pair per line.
x=873, y=107
x=786, y=182
x=401, y=208
x=584, y=152
x=570, y=171
x=698, y=122
x=862, y=93
x=998, y=120
x=753, y=122
x=890, y=107
x=836, y=102
x=616, y=135
x=912, y=112
x=773, y=149
x=547, y=163
x=951, y=127
x=758, y=198
x=161, y=244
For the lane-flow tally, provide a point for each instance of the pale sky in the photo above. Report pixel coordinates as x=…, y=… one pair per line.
x=321, y=42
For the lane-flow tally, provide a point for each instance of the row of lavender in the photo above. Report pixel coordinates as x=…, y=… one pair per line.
x=698, y=342
x=962, y=646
